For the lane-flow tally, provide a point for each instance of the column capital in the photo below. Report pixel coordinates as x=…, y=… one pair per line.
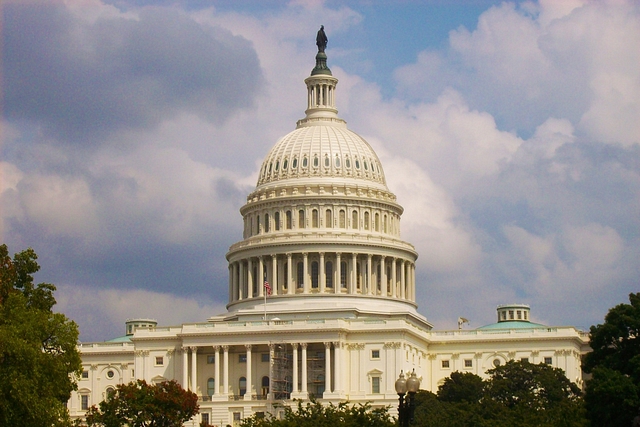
x=327, y=345
x=225, y=347
x=247, y=346
x=303, y=345
x=338, y=254
x=193, y=349
x=288, y=255
x=274, y=256
x=321, y=253
x=305, y=254
x=294, y=345
x=369, y=256
x=216, y=347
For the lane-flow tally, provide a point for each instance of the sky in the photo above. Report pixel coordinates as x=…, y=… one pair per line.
x=133, y=130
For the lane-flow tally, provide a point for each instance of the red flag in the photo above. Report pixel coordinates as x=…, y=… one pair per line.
x=267, y=287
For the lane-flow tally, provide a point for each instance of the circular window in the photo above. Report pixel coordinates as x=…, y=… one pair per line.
x=110, y=374
x=285, y=164
x=294, y=165
x=497, y=362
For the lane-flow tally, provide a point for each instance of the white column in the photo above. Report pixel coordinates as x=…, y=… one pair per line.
x=230, y=291
x=194, y=371
x=249, y=278
x=304, y=367
x=337, y=284
x=274, y=276
x=383, y=277
x=185, y=368
x=225, y=368
x=369, y=275
x=352, y=286
x=260, y=277
x=235, y=279
x=240, y=280
x=295, y=368
x=217, y=370
x=290, y=287
x=247, y=395
x=305, y=268
x=327, y=367
x=322, y=273
x=403, y=288
x=402, y=278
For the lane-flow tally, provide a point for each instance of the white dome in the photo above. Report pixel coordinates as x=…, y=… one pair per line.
x=322, y=150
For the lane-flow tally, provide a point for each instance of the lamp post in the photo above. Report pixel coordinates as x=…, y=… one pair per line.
x=406, y=390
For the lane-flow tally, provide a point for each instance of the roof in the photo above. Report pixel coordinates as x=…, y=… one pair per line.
x=513, y=324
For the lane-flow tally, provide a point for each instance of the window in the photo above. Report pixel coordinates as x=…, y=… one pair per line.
x=294, y=165
x=525, y=315
x=288, y=219
x=315, y=161
x=205, y=418
x=375, y=354
x=110, y=374
x=314, y=218
x=357, y=164
x=242, y=358
x=327, y=162
x=377, y=222
x=354, y=220
x=211, y=359
x=445, y=363
x=300, y=278
x=384, y=224
x=305, y=162
x=109, y=391
x=524, y=359
x=343, y=219
x=347, y=163
x=285, y=164
x=242, y=386
x=548, y=360
x=266, y=223
x=85, y=375
x=211, y=386
x=301, y=218
x=276, y=220
x=265, y=386
x=366, y=220
x=504, y=315
x=328, y=274
x=375, y=385
x=277, y=165
x=84, y=402
x=468, y=363
x=519, y=314
x=159, y=361
x=258, y=230
x=314, y=274
x=328, y=221
x=236, y=416
x=337, y=161
x=286, y=275
x=264, y=357
x=510, y=314
x=497, y=362
x=343, y=274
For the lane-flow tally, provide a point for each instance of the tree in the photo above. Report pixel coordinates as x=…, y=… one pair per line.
x=613, y=392
x=315, y=414
x=39, y=360
x=139, y=404
x=461, y=387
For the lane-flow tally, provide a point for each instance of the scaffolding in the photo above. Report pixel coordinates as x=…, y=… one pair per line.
x=281, y=372
x=316, y=372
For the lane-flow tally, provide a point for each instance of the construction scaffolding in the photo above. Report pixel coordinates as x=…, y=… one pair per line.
x=316, y=372
x=281, y=372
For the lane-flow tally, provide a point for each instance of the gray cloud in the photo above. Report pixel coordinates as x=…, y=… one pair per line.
x=83, y=79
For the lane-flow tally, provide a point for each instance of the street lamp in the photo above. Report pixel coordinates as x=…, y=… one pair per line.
x=406, y=390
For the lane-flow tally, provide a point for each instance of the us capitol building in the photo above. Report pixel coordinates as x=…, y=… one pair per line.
x=322, y=239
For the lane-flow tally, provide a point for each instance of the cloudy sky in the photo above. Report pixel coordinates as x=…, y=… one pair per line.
x=133, y=130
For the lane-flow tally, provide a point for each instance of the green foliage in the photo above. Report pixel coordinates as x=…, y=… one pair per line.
x=139, y=404
x=39, y=360
x=518, y=394
x=314, y=414
x=613, y=393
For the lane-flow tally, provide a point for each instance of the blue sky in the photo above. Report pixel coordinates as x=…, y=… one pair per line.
x=133, y=131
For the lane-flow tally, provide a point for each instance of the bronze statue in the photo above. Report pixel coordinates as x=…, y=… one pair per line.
x=321, y=39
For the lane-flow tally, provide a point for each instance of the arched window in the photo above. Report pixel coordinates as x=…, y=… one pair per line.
x=305, y=162
x=388, y=278
x=343, y=218
x=265, y=385
x=358, y=275
x=255, y=280
x=211, y=386
x=300, y=277
x=288, y=220
x=294, y=165
x=276, y=220
x=366, y=220
x=343, y=274
x=328, y=223
x=285, y=282
x=328, y=274
x=258, y=231
x=242, y=386
x=314, y=218
x=377, y=222
x=384, y=224
x=354, y=220
x=266, y=223
x=379, y=278
x=301, y=218
x=314, y=274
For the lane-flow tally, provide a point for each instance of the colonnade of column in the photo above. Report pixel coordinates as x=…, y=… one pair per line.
x=319, y=272
x=299, y=373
